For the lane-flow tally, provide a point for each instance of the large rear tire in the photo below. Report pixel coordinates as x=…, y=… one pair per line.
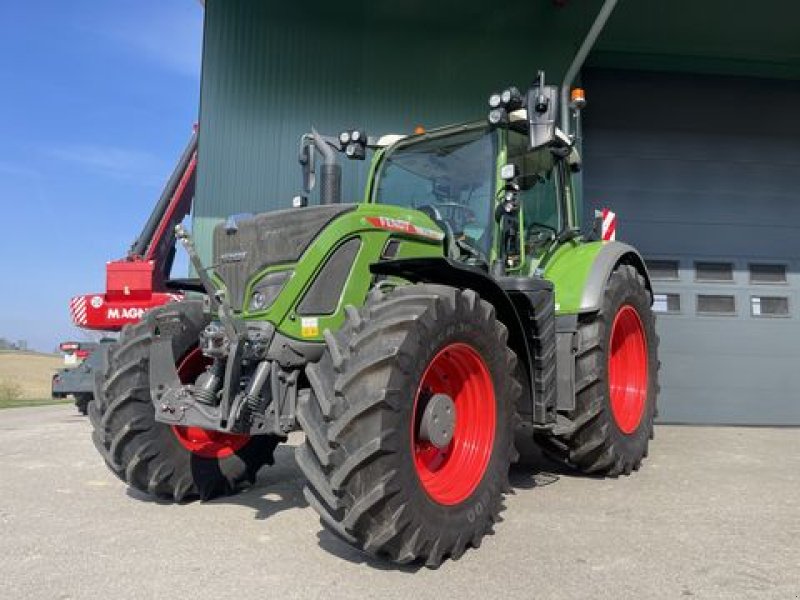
x=171, y=463
x=373, y=475
x=616, y=379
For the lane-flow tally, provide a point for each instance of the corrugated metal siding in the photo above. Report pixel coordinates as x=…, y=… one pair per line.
x=698, y=183
x=272, y=72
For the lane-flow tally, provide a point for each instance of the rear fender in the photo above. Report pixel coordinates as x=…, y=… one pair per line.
x=612, y=255
x=580, y=272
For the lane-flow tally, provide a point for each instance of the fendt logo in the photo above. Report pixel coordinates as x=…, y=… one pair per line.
x=402, y=226
x=116, y=314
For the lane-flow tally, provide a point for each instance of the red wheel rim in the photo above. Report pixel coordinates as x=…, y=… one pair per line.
x=627, y=369
x=449, y=475
x=198, y=441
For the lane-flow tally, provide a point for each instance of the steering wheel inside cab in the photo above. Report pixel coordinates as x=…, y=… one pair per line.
x=452, y=218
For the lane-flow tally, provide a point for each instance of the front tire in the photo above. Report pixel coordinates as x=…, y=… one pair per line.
x=616, y=381
x=170, y=463
x=376, y=480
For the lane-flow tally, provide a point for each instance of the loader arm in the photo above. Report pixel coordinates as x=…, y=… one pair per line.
x=138, y=282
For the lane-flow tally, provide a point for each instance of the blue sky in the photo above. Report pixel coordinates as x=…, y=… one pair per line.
x=97, y=101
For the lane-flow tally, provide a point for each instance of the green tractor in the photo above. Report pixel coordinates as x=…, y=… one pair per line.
x=412, y=337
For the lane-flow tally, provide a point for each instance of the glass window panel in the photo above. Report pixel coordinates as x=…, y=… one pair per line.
x=663, y=269
x=717, y=304
x=713, y=271
x=667, y=303
x=768, y=273
x=539, y=191
x=769, y=306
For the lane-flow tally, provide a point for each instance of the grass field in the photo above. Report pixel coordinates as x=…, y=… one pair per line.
x=30, y=374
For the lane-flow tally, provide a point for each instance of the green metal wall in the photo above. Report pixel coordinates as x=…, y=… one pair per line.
x=271, y=71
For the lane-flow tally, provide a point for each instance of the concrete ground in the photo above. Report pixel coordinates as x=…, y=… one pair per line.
x=715, y=513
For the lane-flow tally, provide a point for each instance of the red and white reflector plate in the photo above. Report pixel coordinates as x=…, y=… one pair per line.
x=608, y=231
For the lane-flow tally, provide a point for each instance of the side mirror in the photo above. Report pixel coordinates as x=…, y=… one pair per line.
x=306, y=160
x=542, y=104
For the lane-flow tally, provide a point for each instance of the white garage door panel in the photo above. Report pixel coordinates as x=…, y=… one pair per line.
x=692, y=179
x=728, y=377
x=700, y=372
x=716, y=408
x=703, y=338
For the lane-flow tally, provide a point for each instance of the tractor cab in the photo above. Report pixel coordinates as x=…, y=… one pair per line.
x=469, y=180
x=500, y=190
x=450, y=175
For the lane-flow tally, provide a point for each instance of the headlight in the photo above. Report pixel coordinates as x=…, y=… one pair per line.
x=498, y=116
x=267, y=289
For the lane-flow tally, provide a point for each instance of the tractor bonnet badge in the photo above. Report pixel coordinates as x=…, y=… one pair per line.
x=233, y=257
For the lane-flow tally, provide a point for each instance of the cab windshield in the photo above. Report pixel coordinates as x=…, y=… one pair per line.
x=451, y=177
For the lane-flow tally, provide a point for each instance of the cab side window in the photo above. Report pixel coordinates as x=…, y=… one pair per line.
x=539, y=186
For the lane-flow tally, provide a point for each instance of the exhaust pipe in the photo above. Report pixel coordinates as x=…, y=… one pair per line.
x=330, y=184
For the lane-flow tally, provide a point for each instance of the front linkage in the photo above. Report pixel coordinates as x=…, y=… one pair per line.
x=250, y=384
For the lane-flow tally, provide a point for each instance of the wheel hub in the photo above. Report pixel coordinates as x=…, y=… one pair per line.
x=453, y=424
x=627, y=369
x=438, y=421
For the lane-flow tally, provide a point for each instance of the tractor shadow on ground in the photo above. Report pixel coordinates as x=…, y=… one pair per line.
x=279, y=487
x=536, y=469
x=340, y=549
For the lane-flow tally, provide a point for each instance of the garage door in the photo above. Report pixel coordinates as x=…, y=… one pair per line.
x=704, y=174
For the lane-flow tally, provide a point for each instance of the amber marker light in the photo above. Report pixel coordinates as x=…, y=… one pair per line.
x=578, y=98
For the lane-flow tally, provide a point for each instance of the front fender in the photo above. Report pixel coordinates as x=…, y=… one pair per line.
x=445, y=271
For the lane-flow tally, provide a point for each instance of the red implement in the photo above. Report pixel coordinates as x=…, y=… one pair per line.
x=137, y=283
